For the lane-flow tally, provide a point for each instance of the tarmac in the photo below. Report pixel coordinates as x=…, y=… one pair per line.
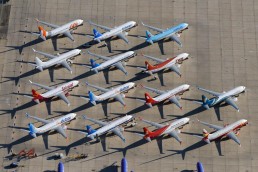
x=221, y=41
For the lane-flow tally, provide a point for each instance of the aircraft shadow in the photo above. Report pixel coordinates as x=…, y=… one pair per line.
x=112, y=167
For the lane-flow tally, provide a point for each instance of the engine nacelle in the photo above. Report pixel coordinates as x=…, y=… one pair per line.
x=123, y=95
x=64, y=127
x=124, y=63
x=122, y=129
x=69, y=61
x=126, y=33
x=178, y=131
x=235, y=99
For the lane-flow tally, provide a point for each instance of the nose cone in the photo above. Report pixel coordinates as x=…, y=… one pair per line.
x=134, y=23
x=187, y=120
x=75, y=83
x=185, y=55
x=73, y=115
x=242, y=88
x=185, y=25
x=186, y=86
x=80, y=21
x=131, y=84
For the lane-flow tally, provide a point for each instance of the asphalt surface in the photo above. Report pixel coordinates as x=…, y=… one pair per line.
x=221, y=41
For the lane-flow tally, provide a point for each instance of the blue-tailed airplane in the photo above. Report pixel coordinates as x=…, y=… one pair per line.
x=172, y=33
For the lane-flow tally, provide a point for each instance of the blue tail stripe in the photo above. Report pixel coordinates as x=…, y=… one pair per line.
x=96, y=33
x=90, y=130
x=93, y=63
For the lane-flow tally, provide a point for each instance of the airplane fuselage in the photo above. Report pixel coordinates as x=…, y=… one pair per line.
x=110, y=126
x=66, y=27
x=176, y=91
x=227, y=129
x=167, y=33
x=235, y=91
x=118, y=90
x=122, y=28
x=60, y=58
x=56, y=123
x=114, y=60
x=64, y=88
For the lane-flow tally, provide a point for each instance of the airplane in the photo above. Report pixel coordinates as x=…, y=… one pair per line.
x=170, y=63
x=172, y=33
x=61, y=59
x=116, y=93
x=171, y=95
x=60, y=91
x=106, y=127
x=118, y=31
x=229, y=97
x=60, y=167
x=57, y=125
x=66, y=29
x=199, y=167
x=231, y=131
x=168, y=129
x=115, y=61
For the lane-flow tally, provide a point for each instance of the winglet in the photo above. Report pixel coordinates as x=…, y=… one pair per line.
x=84, y=117
x=37, y=19
x=142, y=23
x=140, y=118
x=30, y=81
x=87, y=83
x=27, y=115
x=33, y=50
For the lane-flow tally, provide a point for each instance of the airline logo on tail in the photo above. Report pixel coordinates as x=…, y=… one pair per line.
x=96, y=33
x=43, y=32
x=32, y=130
x=36, y=96
x=149, y=99
x=148, y=65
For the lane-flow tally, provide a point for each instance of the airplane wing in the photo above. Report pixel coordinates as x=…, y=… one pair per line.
x=154, y=58
x=231, y=102
x=95, y=121
x=100, y=26
x=68, y=34
x=117, y=132
x=123, y=37
x=38, y=119
x=120, y=99
x=41, y=86
x=175, y=69
x=175, y=101
x=48, y=24
x=176, y=39
x=99, y=56
x=63, y=97
x=66, y=65
x=175, y=135
x=50, y=56
x=157, y=125
x=232, y=136
x=209, y=91
x=154, y=90
x=119, y=66
x=97, y=87
x=61, y=131
x=216, y=127
x=153, y=28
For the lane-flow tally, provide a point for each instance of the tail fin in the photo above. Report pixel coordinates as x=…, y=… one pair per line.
x=96, y=33
x=33, y=130
x=148, y=65
x=43, y=33
x=148, y=34
x=205, y=133
x=89, y=129
x=36, y=96
x=93, y=63
x=146, y=131
x=39, y=64
x=204, y=99
x=92, y=97
x=148, y=98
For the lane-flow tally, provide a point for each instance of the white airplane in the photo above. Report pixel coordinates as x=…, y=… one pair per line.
x=172, y=129
x=61, y=59
x=231, y=131
x=106, y=127
x=118, y=31
x=171, y=95
x=117, y=93
x=55, y=124
x=60, y=91
x=170, y=63
x=229, y=97
x=65, y=29
x=115, y=61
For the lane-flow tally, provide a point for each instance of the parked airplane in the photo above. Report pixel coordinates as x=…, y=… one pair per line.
x=171, y=64
x=115, y=61
x=117, y=93
x=168, y=129
x=60, y=91
x=65, y=29
x=113, y=126
x=172, y=33
x=231, y=131
x=60, y=167
x=57, y=125
x=171, y=95
x=118, y=31
x=199, y=167
x=229, y=97
x=61, y=59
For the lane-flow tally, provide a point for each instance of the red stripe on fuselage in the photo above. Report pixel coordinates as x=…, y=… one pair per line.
x=160, y=65
x=157, y=132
